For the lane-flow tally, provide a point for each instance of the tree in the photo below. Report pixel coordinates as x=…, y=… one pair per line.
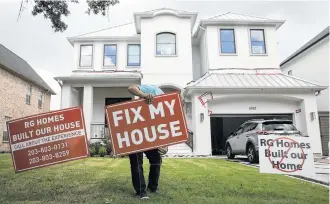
x=54, y=10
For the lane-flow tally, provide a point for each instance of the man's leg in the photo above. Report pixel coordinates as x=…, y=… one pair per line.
x=136, y=161
x=155, y=161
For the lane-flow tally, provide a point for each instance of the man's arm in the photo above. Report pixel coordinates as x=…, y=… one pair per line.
x=134, y=89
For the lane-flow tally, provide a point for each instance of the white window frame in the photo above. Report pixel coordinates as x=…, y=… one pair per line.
x=79, y=61
x=265, y=41
x=28, y=95
x=176, y=44
x=40, y=100
x=127, y=55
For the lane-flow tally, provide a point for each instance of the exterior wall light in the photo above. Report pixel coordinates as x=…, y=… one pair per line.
x=313, y=117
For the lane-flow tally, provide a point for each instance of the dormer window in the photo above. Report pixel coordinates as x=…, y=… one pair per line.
x=227, y=41
x=86, y=56
x=166, y=44
x=257, y=37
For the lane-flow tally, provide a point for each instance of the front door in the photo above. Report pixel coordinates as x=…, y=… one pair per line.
x=109, y=101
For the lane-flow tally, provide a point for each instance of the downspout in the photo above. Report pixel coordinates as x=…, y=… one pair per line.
x=61, y=85
x=205, y=47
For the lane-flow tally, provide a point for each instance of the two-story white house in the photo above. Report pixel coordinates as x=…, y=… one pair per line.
x=233, y=57
x=311, y=62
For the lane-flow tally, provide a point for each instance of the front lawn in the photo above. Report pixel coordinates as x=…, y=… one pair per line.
x=107, y=180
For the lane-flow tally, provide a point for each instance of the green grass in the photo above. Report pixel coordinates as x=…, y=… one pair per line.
x=107, y=180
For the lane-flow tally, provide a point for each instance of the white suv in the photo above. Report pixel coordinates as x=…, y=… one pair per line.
x=244, y=141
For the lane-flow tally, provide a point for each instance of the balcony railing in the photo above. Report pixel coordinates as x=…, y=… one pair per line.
x=190, y=141
x=101, y=131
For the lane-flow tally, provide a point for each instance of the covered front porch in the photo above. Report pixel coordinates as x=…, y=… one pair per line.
x=94, y=93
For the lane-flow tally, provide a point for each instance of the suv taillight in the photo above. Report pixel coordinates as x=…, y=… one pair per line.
x=262, y=133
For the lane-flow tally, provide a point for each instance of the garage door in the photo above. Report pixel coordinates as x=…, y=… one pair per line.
x=221, y=125
x=324, y=128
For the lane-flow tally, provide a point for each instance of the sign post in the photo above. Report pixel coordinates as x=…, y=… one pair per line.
x=48, y=138
x=286, y=155
x=135, y=126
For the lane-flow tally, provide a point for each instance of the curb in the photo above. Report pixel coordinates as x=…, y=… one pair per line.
x=312, y=180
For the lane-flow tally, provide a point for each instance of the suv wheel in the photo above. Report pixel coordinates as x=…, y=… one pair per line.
x=252, y=154
x=230, y=154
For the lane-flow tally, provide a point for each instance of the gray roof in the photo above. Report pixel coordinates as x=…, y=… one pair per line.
x=251, y=81
x=238, y=16
x=13, y=63
x=323, y=34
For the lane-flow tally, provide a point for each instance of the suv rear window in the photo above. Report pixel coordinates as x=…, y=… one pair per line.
x=278, y=126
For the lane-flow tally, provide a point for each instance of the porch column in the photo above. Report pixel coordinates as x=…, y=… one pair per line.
x=66, y=94
x=201, y=128
x=88, y=107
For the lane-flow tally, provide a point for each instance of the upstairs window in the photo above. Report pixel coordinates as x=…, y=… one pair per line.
x=133, y=55
x=110, y=55
x=257, y=37
x=28, y=95
x=166, y=44
x=40, y=100
x=227, y=41
x=86, y=56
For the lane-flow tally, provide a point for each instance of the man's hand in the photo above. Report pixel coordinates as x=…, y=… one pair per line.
x=149, y=98
x=137, y=92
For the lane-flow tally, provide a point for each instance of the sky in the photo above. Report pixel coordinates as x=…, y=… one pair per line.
x=50, y=54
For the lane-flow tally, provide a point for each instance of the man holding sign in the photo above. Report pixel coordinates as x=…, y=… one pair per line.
x=136, y=160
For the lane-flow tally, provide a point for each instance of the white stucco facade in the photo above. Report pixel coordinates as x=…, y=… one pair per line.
x=197, y=53
x=170, y=69
x=313, y=65
x=269, y=103
x=243, y=57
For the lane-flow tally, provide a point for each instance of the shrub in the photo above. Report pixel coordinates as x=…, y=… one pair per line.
x=107, y=145
x=96, y=145
x=92, y=151
x=102, y=151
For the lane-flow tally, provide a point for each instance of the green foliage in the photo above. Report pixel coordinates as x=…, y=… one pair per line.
x=108, y=146
x=54, y=10
x=100, y=6
x=102, y=151
x=92, y=151
x=100, y=148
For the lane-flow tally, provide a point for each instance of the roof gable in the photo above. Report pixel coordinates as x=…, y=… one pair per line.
x=231, y=18
x=164, y=11
x=20, y=67
x=319, y=37
x=126, y=29
x=237, y=16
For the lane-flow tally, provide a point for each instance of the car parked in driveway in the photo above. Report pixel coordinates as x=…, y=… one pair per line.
x=244, y=141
